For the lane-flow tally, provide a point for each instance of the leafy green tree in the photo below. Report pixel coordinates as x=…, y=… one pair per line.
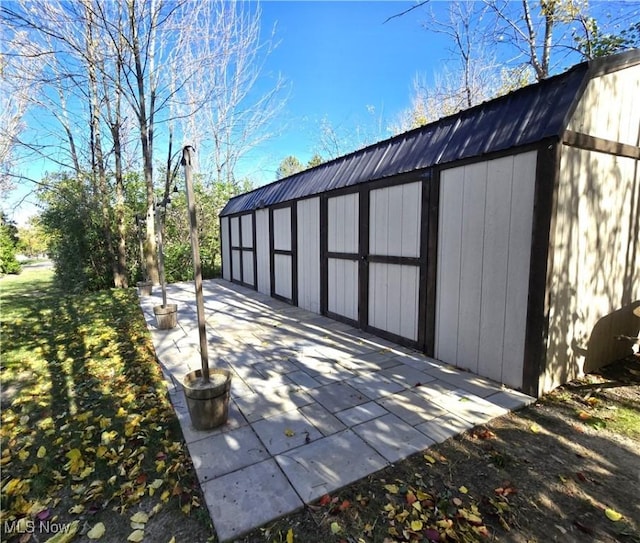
x=289, y=166
x=315, y=160
x=210, y=199
x=33, y=240
x=8, y=242
x=73, y=220
x=594, y=42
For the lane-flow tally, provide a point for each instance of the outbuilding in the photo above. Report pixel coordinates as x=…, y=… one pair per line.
x=502, y=239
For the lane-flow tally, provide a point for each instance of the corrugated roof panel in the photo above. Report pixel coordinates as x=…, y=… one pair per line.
x=519, y=118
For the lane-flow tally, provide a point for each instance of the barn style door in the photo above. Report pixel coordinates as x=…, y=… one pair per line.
x=283, y=242
x=242, y=236
x=393, y=260
x=376, y=270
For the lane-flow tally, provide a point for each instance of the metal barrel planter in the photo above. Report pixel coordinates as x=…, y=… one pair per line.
x=208, y=402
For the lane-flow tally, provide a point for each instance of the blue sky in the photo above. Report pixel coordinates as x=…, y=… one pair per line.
x=343, y=64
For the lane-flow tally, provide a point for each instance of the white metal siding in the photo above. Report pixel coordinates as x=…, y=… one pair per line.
x=395, y=220
x=393, y=298
x=308, y=214
x=235, y=253
x=519, y=260
x=343, y=224
x=226, y=248
x=486, y=212
x=247, y=231
x=448, y=274
x=282, y=229
x=282, y=272
x=247, y=267
x=235, y=231
x=262, y=251
x=235, y=259
x=343, y=287
x=473, y=213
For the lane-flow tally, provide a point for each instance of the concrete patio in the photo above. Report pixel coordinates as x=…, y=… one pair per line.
x=315, y=404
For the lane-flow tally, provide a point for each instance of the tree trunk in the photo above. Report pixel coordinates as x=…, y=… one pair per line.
x=150, y=248
x=98, y=165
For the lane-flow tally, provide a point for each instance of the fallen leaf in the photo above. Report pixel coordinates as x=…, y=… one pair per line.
x=97, y=531
x=484, y=433
x=463, y=489
x=432, y=535
x=44, y=514
x=290, y=535
x=421, y=495
x=325, y=500
x=136, y=536
x=583, y=415
x=335, y=528
x=289, y=432
x=429, y=459
x=42, y=452
x=140, y=516
x=392, y=488
x=612, y=514
x=535, y=428
x=416, y=525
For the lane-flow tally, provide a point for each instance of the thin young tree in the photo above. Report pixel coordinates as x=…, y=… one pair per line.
x=221, y=110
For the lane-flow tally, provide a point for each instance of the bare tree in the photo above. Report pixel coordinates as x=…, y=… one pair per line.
x=77, y=82
x=13, y=104
x=533, y=37
x=220, y=110
x=154, y=64
x=468, y=76
x=337, y=139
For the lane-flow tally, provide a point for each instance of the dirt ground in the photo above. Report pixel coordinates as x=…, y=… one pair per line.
x=564, y=469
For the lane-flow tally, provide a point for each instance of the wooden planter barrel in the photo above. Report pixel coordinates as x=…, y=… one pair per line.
x=145, y=288
x=208, y=403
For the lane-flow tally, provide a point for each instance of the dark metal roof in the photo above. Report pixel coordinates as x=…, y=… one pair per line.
x=522, y=117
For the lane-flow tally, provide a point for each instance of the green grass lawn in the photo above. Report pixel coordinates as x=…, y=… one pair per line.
x=88, y=433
